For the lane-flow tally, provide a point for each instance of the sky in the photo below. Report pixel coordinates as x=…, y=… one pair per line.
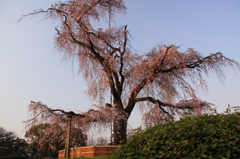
x=32, y=70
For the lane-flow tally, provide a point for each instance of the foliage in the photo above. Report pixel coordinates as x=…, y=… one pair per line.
x=205, y=136
x=162, y=81
x=42, y=145
x=10, y=144
x=13, y=157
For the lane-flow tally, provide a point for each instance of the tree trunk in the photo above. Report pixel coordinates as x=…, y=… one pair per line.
x=120, y=131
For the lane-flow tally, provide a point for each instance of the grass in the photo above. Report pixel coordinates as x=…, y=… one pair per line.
x=98, y=157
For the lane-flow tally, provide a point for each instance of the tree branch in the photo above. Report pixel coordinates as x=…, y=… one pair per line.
x=160, y=104
x=184, y=65
x=182, y=105
x=121, y=57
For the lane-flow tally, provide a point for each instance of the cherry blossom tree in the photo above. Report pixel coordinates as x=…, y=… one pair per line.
x=44, y=144
x=161, y=82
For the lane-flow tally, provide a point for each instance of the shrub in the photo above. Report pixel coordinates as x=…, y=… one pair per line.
x=12, y=157
x=206, y=136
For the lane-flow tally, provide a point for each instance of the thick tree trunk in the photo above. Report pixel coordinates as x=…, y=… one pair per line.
x=120, y=131
x=120, y=122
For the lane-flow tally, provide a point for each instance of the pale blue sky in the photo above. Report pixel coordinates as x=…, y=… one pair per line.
x=30, y=68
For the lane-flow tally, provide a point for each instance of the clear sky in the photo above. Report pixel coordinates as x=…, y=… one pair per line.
x=32, y=70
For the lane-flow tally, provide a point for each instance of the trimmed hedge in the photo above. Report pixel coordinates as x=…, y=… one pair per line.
x=206, y=136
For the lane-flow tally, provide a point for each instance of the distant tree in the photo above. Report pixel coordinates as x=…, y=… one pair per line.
x=11, y=145
x=162, y=82
x=42, y=145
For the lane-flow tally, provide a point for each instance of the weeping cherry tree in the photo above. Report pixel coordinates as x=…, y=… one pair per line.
x=161, y=82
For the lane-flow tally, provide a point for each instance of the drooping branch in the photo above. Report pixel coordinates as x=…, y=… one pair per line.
x=159, y=110
x=152, y=100
x=170, y=69
x=100, y=117
x=184, y=104
x=60, y=111
x=203, y=62
x=41, y=113
x=149, y=77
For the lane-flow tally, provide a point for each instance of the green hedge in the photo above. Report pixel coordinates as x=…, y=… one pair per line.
x=206, y=136
x=12, y=157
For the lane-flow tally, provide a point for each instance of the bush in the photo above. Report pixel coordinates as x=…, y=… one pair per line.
x=206, y=136
x=12, y=157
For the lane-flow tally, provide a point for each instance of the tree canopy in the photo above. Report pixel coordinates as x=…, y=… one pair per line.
x=11, y=145
x=162, y=82
x=42, y=145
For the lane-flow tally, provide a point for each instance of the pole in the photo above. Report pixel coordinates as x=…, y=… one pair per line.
x=67, y=144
